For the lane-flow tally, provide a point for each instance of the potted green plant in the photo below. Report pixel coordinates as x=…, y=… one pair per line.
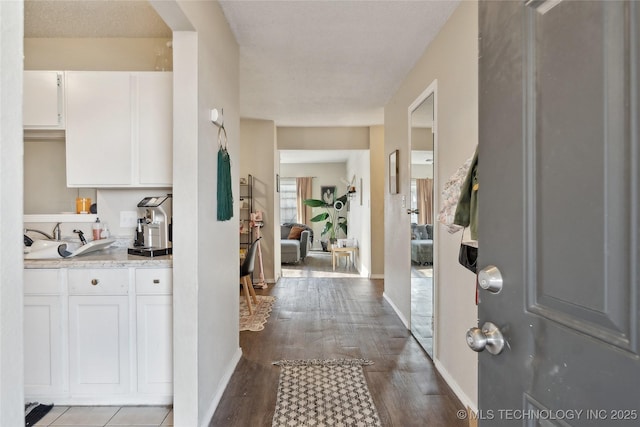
x=334, y=221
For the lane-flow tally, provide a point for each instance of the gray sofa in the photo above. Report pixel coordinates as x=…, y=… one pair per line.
x=422, y=243
x=294, y=250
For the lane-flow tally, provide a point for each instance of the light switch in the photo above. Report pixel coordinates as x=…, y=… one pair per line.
x=128, y=219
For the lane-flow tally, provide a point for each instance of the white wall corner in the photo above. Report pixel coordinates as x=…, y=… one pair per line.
x=395, y=308
x=222, y=385
x=11, y=191
x=453, y=384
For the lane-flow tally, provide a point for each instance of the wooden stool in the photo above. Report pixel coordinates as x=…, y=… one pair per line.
x=346, y=255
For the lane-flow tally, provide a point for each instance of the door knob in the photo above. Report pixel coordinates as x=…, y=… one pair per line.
x=490, y=279
x=413, y=211
x=489, y=337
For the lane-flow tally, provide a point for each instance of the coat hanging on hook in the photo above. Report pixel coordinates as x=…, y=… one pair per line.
x=224, y=191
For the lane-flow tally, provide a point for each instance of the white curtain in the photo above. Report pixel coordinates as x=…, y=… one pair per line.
x=424, y=191
x=303, y=191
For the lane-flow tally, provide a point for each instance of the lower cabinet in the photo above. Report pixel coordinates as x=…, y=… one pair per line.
x=155, y=343
x=43, y=340
x=98, y=345
x=99, y=336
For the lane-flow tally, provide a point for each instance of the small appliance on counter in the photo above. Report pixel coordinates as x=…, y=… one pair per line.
x=154, y=229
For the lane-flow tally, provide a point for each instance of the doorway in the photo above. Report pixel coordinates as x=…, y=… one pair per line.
x=422, y=211
x=346, y=175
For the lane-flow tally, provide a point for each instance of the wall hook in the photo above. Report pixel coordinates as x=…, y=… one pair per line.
x=217, y=117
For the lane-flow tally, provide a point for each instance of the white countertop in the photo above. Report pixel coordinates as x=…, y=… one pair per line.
x=110, y=258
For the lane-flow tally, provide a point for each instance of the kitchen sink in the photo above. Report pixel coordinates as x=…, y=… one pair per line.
x=52, y=249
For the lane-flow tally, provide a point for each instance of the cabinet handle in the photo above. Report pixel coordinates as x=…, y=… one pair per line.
x=156, y=281
x=95, y=281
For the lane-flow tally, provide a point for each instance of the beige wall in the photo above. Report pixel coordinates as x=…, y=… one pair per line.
x=45, y=179
x=359, y=215
x=257, y=145
x=422, y=139
x=377, y=194
x=452, y=60
x=105, y=54
x=323, y=138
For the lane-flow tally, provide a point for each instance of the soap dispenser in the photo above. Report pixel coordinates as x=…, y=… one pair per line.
x=97, y=228
x=104, y=232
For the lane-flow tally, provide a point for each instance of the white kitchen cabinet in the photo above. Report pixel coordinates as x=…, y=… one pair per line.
x=155, y=129
x=98, y=137
x=99, y=348
x=43, y=333
x=98, y=345
x=43, y=102
x=155, y=344
x=99, y=335
x=43, y=367
x=154, y=330
x=119, y=129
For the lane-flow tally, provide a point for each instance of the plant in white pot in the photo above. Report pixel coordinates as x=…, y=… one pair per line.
x=334, y=221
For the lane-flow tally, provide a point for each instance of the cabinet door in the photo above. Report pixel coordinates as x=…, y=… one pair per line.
x=98, y=345
x=42, y=100
x=154, y=132
x=43, y=367
x=98, y=136
x=155, y=344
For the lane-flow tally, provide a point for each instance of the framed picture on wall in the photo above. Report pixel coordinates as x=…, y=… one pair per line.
x=328, y=194
x=393, y=172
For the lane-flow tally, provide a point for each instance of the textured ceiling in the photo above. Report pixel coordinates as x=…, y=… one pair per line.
x=91, y=18
x=320, y=63
x=302, y=62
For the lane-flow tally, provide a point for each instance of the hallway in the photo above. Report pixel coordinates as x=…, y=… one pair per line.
x=337, y=317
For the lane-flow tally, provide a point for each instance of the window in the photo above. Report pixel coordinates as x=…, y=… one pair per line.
x=414, y=200
x=288, y=196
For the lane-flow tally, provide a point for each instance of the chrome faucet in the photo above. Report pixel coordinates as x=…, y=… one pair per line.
x=56, y=232
x=33, y=230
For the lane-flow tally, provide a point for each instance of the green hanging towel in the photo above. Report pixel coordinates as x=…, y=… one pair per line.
x=225, y=194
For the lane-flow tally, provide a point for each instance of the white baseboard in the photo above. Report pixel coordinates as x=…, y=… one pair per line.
x=130, y=400
x=398, y=312
x=376, y=276
x=453, y=384
x=222, y=385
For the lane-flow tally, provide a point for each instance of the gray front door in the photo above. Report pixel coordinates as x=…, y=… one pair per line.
x=559, y=200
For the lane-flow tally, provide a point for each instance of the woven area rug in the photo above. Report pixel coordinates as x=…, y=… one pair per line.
x=323, y=393
x=261, y=311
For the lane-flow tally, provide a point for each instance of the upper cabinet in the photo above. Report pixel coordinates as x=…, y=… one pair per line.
x=119, y=129
x=155, y=128
x=43, y=106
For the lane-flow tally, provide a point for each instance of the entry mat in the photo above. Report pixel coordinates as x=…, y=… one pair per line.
x=34, y=411
x=329, y=392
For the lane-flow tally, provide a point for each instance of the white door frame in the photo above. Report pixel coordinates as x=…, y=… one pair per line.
x=431, y=89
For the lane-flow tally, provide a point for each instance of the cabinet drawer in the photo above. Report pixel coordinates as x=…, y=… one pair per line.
x=41, y=281
x=158, y=281
x=100, y=281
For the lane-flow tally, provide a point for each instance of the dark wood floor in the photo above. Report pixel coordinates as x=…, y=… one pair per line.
x=337, y=317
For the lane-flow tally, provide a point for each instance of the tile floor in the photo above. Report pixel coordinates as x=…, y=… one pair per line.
x=92, y=416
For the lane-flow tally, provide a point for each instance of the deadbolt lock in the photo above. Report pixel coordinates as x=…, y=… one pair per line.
x=490, y=279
